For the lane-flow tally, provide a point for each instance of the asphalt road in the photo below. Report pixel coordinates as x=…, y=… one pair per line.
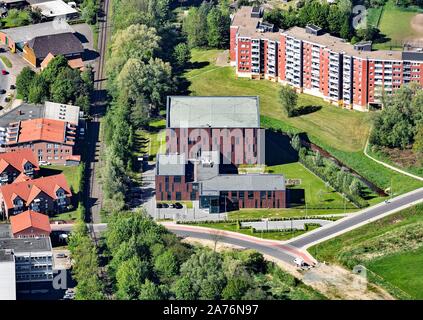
x=356, y=219
x=278, y=251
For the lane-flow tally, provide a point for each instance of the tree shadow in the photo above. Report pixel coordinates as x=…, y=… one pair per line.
x=278, y=149
x=303, y=110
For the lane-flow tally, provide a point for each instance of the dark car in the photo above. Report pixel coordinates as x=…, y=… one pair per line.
x=159, y=206
x=12, y=87
x=165, y=205
x=2, y=91
x=7, y=99
x=178, y=205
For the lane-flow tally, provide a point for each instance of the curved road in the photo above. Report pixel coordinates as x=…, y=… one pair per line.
x=358, y=219
x=288, y=250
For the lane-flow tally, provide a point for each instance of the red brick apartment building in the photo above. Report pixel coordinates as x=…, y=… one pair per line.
x=30, y=224
x=17, y=166
x=50, y=140
x=317, y=63
x=207, y=139
x=46, y=195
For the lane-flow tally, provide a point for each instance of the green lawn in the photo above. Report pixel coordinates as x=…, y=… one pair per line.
x=317, y=194
x=395, y=24
x=282, y=213
x=341, y=132
x=232, y=226
x=391, y=248
x=149, y=142
x=6, y=61
x=373, y=16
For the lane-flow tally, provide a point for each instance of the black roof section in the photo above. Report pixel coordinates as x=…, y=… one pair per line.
x=63, y=43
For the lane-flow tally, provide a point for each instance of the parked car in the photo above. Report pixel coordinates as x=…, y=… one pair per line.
x=7, y=99
x=4, y=72
x=61, y=255
x=2, y=91
x=159, y=206
x=165, y=205
x=12, y=87
x=44, y=163
x=178, y=205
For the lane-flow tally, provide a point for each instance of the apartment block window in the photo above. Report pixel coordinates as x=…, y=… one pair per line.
x=224, y=193
x=269, y=194
x=262, y=195
x=178, y=196
x=234, y=194
x=250, y=194
x=193, y=195
x=177, y=179
x=241, y=195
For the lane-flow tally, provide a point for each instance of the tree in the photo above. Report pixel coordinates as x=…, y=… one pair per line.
x=182, y=54
x=135, y=42
x=204, y=271
x=150, y=291
x=195, y=25
x=165, y=265
x=296, y=142
x=24, y=81
x=288, y=98
x=152, y=81
x=183, y=289
x=318, y=161
x=38, y=90
x=355, y=188
x=235, y=288
x=130, y=276
x=218, y=24
x=418, y=141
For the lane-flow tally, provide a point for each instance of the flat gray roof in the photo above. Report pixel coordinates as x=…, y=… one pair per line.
x=7, y=276
x=23, y=245
x=214, y=112
x=244, y=182
x=5, y=231
x=26, y=33
x=6, y=257
x=27, y=111
x=60, y=111
x=170, y=165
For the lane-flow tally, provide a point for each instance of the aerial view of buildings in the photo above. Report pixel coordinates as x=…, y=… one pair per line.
x=211, y=150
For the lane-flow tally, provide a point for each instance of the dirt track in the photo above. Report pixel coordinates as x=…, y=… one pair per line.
x=333, y=281
x=417, y=26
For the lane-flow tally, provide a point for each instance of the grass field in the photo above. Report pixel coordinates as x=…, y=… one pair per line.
x=395, y=24
x=317, y=194
x=391, y=248
x=341, y=132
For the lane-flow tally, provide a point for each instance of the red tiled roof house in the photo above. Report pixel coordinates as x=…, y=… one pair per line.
x=50, y=140
x=45, y=195
x=30, y=224
x=18, y=166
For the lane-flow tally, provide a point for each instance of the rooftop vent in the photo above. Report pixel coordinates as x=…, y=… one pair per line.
x=256, y=12
x=313, y=29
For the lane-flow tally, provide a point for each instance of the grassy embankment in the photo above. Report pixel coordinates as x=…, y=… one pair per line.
x=391, y=249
